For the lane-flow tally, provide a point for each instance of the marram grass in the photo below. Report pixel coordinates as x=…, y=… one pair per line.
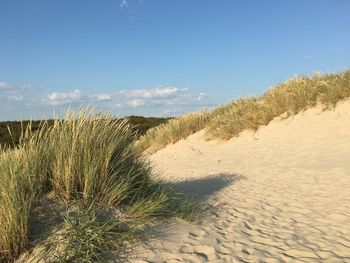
x=227, y=121
x=292, y=96
x=85, y=236
x=23, y=172
x=87, y=158
x=94, y=158
x=173, y=131
x=16, y=195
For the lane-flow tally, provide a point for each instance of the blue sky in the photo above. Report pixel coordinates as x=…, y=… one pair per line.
x=160, y=57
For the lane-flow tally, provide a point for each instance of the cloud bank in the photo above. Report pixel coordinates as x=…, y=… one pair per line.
x=157, y=101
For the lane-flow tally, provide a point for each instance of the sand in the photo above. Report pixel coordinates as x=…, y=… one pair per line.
x=281, y=194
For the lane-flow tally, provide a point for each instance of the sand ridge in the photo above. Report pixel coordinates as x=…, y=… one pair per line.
x=280, y=194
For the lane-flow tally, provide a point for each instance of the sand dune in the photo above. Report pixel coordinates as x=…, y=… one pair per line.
x=281, y=194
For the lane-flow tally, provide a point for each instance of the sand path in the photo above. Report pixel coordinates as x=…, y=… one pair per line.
x=281, y=194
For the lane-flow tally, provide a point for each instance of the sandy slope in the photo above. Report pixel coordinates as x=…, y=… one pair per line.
x=281, y=194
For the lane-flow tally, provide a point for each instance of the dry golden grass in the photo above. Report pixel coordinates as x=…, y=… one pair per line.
x=173, y=131
x=291, y=97
x=224, y=122
x=87, y=158
x=23, y=173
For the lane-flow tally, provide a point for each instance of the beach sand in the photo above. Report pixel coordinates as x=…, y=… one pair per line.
x=280, y=194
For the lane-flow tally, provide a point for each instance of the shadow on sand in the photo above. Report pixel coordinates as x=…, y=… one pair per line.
x=203, y=188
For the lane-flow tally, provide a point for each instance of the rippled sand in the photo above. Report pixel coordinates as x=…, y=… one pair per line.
x=281, y=194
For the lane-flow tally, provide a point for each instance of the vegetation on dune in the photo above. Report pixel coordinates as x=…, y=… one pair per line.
x=141, y=124
x=91, y=158
x=17, y=192
x=94, y=166
x=291, y=97
x=86, y=236
x=173, y=131
x=87, y=159
x=23, y=175
x=225, y=122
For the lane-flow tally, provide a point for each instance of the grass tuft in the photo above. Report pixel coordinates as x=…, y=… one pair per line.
x=173, y=131
x=86, y=235
x=94, y=159
x=23, y=172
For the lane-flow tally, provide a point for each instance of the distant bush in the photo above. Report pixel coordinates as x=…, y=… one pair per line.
x=10, y=131
x=142, y=124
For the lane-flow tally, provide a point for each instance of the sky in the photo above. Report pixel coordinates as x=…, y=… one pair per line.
x=160, y=57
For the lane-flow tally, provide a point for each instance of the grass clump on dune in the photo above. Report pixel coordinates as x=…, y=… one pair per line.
x=94, y=158
x=86, y=158
x=86, y=235
x=17, y=192
x=173, y=131
x=227, y=121
x=23, y=172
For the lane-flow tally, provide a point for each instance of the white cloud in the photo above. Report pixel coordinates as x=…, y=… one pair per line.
x=309, y=57
x=75, y=94
x=103, y=97
x=117, y=106
x=11, y=94
x=27, y=99
x=125, y=98
x=157, y=97
x=136, y=103
x=201, y=96
x=15, y=97
x=61, y=98
x=124, y=3
x=4, y=85
x=159, y=92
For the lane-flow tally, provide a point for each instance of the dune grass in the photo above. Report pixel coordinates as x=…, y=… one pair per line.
x=291, y=97
x=93, y=157
x=17, y=192
x=173, y=131
x=227, y=121
x=86, y=158
x=86, y=235
x=23, y=172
